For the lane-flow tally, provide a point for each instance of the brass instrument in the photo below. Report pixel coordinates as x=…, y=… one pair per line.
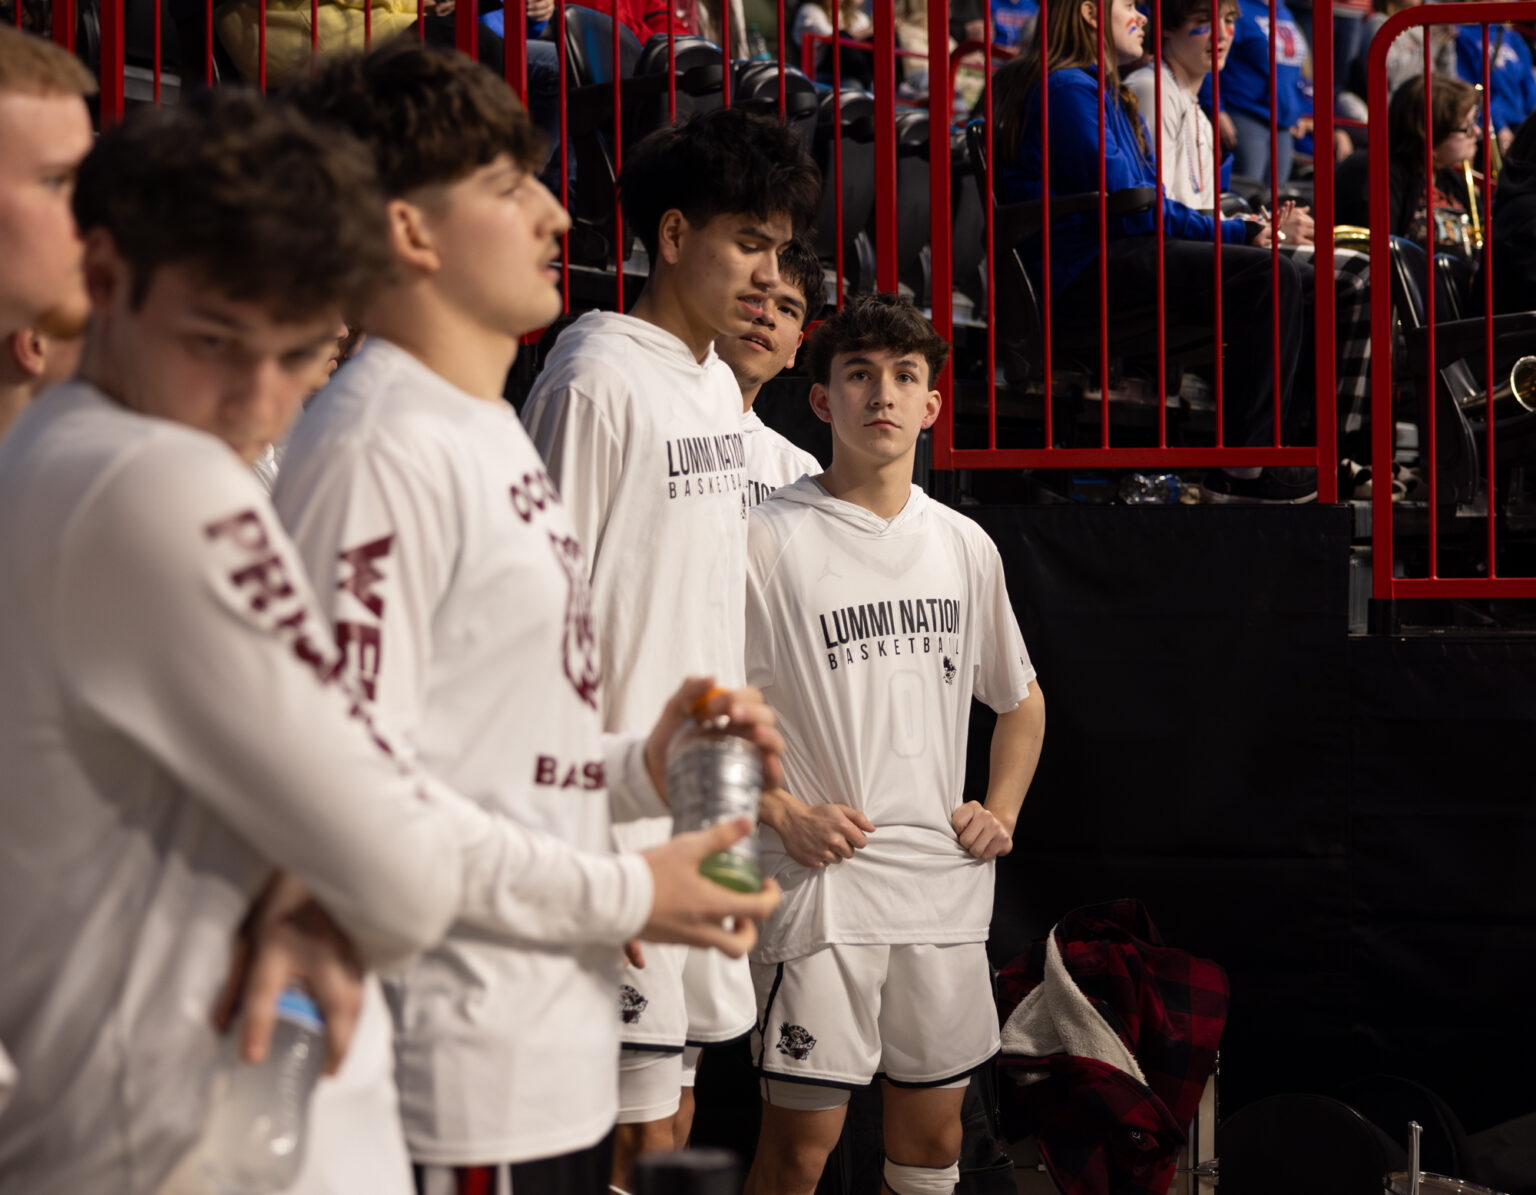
x=1520, y=387
x=1476, y=217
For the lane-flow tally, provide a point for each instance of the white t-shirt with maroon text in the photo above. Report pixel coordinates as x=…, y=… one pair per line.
x=459, y=594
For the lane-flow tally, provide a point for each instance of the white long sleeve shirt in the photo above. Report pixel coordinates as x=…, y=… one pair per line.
x=868, y=638
x=173, y=728
x=451, y=572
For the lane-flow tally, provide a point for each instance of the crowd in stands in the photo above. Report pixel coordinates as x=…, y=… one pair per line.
x=1233, y=139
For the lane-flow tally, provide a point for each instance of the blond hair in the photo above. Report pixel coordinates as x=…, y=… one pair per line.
x=33, y=65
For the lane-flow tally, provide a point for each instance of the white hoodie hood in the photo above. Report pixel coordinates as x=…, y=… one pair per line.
x=809, y=492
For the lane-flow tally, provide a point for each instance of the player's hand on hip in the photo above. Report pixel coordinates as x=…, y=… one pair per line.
x=750, y=718
x=292, y=941
x=694, y=910
x=979, y=831
x=815, y=835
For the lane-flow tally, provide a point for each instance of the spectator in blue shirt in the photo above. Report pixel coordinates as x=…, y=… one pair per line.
x=1013, y=22
x=1512, y=87
x=1131, y=258
x=1245, y=91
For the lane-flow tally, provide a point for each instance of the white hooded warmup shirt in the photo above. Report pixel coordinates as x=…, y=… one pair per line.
x=772, y=460
x=868, y=638
x=644, y=442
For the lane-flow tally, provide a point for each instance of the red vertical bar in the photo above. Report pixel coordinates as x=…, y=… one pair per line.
x=671, y=63
x=1381, y=321
x=565, y=141
x=783, y=104
x=64, y=23
x=261, y=44
x=1488, y=136
x=1157, y=161
x=886, y=251
x=112, y=62
x=618, y=160
x=1104, y=10
x=314, y=31
x=940, y=112
x=1274, y=208
x=1045, y=225
x=421, y=23
x=1216, y=365
x=157, y=50
x=837, y=145
x=1323, y=305
x=367, y=24
x=991, y=234
x=466, y=27
x=514, y=39
x=207, y=44
x=1429, y=302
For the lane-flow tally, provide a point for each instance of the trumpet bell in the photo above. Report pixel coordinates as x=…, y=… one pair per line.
x=1516, y=392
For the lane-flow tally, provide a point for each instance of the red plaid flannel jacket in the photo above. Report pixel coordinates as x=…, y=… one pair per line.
x=1101, y=1131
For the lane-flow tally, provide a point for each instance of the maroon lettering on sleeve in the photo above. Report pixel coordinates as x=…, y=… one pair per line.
x=361, y=647
x=325, y=667
x=264, y=582
x=364, y=573
x=245, y=530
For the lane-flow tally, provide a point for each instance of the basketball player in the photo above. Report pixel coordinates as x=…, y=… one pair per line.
x=45, y=129
x=453, y=575
x=763, y=352
x=825, y=832
x=873, y=615
x=639, y=423
x=31, y=360
x=174, y=727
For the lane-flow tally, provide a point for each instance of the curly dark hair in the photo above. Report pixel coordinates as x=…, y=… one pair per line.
x=259, y=202
x=884, y=321
x=801, y=268
x=718, y=162
x=428, y=114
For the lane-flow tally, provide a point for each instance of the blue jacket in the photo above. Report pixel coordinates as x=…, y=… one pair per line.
x=1074, y=121
x=1245, y=78
x=1512, y=88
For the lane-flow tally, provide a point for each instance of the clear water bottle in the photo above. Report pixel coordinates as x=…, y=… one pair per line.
x=254, y=1143
x=714, y=776
x=1143, y=489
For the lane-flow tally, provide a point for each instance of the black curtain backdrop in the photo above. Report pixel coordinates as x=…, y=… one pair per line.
x=1346, y=824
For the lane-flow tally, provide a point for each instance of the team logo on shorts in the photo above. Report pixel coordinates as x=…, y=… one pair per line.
x=580, y=644
x=949, y=671
x=795, y=1041
x=631, y=1004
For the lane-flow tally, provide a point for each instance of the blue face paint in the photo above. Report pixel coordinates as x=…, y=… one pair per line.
x=1199, y=31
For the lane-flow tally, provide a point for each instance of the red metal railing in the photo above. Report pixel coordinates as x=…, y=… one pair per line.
x=1386, y=585
x=1048, y=454
x=1044, y=451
